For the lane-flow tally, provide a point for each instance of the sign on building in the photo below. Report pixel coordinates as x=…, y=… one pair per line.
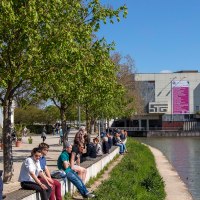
x=180, y=97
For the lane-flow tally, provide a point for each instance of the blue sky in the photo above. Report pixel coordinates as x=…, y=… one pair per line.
x=158, y=34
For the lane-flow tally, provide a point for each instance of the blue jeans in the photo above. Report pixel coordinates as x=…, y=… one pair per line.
x=121, y=147
x=74, y=178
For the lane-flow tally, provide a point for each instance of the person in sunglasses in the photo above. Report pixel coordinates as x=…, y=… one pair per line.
x=29, y=173
x=56, y=189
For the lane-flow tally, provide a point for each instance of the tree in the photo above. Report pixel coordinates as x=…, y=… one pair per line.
x=31, y=114
x=100, y=91
x=132, y=99
x=39, y=39
x=66, y=87
x=19, y=58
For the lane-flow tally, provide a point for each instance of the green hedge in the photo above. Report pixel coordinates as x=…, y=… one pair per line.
x=135, y=178
x=37, y=129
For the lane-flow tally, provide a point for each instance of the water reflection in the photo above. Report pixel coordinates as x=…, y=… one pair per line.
x=184, y=154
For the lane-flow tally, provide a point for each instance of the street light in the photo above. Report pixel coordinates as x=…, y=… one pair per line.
x=79, y=117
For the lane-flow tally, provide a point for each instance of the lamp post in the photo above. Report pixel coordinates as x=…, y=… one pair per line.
x=79, y=117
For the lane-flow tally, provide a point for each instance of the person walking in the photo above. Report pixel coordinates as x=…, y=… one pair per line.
x=44, y=136
x=61, y=135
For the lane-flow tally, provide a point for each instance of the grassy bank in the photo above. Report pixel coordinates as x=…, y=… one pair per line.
x=135, y=178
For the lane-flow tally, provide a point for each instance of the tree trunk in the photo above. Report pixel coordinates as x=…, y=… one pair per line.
x=7, y=147
x=108, y=125
x=95, y=126
x=92, y=123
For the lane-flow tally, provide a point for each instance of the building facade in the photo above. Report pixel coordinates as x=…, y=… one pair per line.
x=171, y=101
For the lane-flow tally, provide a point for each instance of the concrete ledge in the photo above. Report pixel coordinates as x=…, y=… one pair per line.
x=93, y=166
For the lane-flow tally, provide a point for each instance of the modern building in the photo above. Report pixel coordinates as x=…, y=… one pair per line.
x=171, y=101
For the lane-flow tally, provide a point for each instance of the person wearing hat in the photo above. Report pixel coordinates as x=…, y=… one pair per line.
x=63, y=163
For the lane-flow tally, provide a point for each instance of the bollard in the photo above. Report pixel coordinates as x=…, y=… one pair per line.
x=1, y=185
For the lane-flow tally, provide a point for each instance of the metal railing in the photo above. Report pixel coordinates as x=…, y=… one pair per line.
x=149, y=129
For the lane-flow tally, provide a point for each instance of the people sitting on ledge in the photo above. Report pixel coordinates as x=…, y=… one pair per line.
x=63, y=163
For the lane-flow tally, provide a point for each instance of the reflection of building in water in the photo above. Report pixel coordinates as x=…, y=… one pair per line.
x=171, y=101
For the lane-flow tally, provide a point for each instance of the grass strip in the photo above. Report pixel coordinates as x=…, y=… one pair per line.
x=68, y=196
x=134, y=178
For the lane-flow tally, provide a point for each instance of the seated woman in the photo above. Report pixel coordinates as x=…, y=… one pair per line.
x=75, y=157
x=30, y=170
x=98, y=147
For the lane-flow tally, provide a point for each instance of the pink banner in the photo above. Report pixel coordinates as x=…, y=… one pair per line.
x=180, y=97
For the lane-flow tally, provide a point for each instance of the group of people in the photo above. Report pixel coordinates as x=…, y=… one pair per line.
x=35, y=175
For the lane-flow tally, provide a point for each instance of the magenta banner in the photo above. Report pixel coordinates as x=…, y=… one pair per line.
x=180, y=97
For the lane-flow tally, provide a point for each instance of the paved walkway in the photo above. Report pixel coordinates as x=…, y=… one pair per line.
x=174, y=186
x=20, y=153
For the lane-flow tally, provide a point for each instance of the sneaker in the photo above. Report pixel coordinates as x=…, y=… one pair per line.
x=90, y=195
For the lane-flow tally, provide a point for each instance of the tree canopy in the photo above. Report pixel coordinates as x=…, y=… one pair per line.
x=45, y=42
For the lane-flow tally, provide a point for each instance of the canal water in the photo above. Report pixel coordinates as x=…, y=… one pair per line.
x=184, y=155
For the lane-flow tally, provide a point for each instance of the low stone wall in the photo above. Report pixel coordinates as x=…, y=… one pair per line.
x=93, y=166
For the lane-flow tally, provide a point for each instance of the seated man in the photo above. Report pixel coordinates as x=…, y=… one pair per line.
x=76, y=153
x=56, y=189
x=105, y=145
x=63, y=164
x=110, y=142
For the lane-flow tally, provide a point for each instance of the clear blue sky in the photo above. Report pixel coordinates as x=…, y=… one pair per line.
x=157, y=34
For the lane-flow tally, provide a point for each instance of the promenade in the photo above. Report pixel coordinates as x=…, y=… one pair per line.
x=174, y=186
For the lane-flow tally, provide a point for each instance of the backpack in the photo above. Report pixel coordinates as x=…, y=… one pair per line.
x=58, y=174
x=91, y=150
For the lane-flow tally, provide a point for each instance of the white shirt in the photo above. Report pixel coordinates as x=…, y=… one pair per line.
x=29, y=165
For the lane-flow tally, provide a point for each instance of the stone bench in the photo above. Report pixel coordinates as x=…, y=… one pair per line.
x=93, y=166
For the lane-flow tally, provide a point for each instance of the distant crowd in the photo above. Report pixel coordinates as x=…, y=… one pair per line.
x=35, y=175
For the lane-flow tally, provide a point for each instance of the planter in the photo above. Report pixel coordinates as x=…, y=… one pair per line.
x=30, y=141
x=18, y=143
